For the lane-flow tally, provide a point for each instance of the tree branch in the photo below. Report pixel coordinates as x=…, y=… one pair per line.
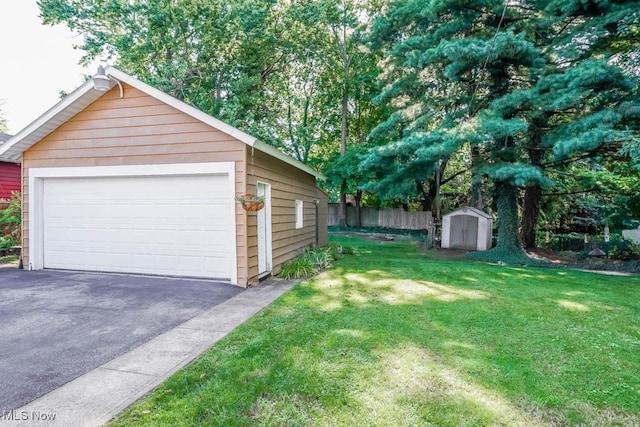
x=569, y=193
x=454, y=176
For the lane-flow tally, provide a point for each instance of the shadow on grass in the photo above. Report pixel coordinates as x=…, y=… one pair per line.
x=389, y=337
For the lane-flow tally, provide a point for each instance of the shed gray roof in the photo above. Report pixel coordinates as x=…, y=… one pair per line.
x=4, y=137
x=470, y=210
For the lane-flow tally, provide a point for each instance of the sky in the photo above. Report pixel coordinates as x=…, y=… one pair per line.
x=36, y=62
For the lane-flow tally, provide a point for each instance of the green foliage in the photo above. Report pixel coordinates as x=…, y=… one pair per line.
x=621, y=249
x=296, y=268
x=274, y=68
x=11, y=221
x=348, y=250
x=616, y=248
x=320, y=258
x=591, y=194
x=565, y=242
x=311, y=261
x=337, y=250
x=344, y=168
x=623, y=253
x=8, y=242
x=517, y=173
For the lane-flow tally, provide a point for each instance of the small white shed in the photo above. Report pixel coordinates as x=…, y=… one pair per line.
x=467, y=228
x=633, y=235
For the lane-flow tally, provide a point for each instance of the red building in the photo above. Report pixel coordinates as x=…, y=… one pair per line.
x=10, y=174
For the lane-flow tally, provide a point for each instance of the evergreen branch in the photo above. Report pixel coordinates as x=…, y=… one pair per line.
x=570, y=193
x=564, y=27
x=567, y=161
x=475, y=9
x=537, y=148
x=454, y=176
x=609, y=147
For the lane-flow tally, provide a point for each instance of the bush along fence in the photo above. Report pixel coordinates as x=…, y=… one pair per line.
x=10, y=225
x=398, y=219
x=617, y=247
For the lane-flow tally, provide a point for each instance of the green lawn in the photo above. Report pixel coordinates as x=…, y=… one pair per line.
x=9, y=259
x=393, y=336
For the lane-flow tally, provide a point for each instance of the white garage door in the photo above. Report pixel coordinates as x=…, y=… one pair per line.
x=168, y=225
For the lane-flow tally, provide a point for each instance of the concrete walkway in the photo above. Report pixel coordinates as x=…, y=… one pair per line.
x=96, y=397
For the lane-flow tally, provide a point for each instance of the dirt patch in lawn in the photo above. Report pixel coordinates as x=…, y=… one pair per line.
x=380, y=237
x=594, y=264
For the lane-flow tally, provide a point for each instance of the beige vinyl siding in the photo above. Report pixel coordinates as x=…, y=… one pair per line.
x=288, y=184
x=136, y=130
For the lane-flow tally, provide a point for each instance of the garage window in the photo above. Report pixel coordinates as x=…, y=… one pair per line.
x=299, y=214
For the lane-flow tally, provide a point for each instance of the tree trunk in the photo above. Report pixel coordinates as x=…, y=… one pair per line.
x=343, y=151
x=344, y=123
x=427, y=192
x=342, y=217
x=509, y=249
x=358, y=198
x=533, y=194
x=532, y=197
x=508, y=236
x=476, y=185
x=438, y=205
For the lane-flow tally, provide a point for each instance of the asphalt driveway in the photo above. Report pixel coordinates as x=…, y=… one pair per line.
x=56, y=326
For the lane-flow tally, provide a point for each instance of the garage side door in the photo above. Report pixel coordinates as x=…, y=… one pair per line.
x=168, y=225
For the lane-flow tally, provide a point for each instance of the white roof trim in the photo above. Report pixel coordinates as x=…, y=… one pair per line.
x=274, y=152
x=80, y=98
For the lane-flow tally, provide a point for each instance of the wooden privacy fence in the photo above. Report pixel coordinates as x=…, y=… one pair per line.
x=388, y=218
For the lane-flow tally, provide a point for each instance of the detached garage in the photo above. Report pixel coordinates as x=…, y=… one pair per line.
x=132, y=180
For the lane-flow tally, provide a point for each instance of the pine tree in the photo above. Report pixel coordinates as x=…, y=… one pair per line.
x=525, y=84
x=571, y=104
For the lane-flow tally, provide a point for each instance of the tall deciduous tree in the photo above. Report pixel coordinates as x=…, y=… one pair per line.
x=292, y=72
x=571, y=104
x=348, y=22
x=229, y=58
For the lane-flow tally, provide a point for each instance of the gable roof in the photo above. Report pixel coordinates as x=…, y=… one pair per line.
x=80, y=98
x=468, y=209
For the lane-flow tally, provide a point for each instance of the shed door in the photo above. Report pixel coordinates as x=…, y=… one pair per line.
x=168, y=225
x=464, y=232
